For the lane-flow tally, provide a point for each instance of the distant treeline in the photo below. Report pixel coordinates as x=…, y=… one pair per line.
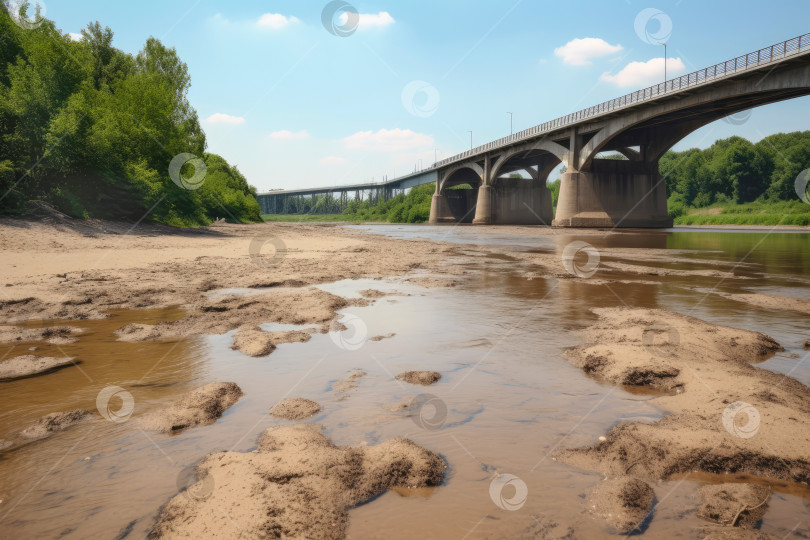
x=736, y=171
x=93, y=130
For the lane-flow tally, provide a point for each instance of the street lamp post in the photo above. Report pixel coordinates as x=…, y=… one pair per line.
x=510, y=123
x=665, y=65
x=470, y=132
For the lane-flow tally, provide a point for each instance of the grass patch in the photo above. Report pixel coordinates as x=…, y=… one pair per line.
x=755, y=213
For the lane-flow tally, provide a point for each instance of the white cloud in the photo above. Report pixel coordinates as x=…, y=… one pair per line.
x=221, y=118
x=285, y=135
x=645, y=73
x=370, y=20
x=388, y=140
x=275, y=21
x=580, y=52
x=333, y=160
x=74, y=36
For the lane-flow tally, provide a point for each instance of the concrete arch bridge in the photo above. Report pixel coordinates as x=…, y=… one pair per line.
x=641, y=126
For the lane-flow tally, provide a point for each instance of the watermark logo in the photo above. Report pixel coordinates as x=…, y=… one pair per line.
x=656, y=345
x=801, y=185
x=195, y=484
x=26, y=19
x=340, y=18
x=267, y=251
x=195, y=181
x=106, y=398
x=420, y=98
x=741, y=419
x=500, y=496
x=572, y=257
x=738, y=118
x=653, y=26
x=350, y=333
x=428, y=411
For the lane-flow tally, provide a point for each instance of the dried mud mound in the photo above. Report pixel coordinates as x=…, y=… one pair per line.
x=623, y=502
x=231, y=312
x=425, y=378
x=734, y=505
x=253, y=341
x=21, y=367
x=296, y=484
x=727, y=416
x=199, y=407
x=56, y=335
x=295, y=409
x=46, y=426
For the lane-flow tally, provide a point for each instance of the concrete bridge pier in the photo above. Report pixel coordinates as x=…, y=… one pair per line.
x=613, y=193
x=483, y=208
x=520, y=201
x=440, y=210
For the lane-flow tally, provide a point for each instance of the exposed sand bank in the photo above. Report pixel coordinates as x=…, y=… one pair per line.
x=28, y=365
x=296, y=484
x=199, y=407
x=726, y=415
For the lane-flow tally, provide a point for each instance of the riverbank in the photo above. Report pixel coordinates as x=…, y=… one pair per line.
x=162, y=313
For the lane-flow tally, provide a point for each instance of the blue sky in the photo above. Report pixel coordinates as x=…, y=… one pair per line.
x=296, y=106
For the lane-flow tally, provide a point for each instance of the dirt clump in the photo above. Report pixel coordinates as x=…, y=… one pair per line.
x=373, y=293
x=425, y=378
x=231, y=312
x=734, y=505
x=253, y=341
x=382, y=337
x=399, y=406
x=295, y=408
x=56, y=335
x=44, y=427
x=344, y=386
x=201, y=406
x=625, y=503
x=296, y=484
x=28, y=365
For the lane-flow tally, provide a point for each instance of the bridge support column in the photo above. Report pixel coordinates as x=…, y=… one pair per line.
x=519, y=201
x=483, y=206
x=440, y=210
x=615, y=193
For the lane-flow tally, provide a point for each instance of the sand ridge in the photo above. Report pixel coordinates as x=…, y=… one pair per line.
x=725, y=416
x=201, y=406
x=296, y=484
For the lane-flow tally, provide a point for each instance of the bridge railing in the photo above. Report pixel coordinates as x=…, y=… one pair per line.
x=774, y=53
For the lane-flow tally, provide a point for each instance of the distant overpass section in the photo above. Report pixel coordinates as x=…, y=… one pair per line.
x=280, y=201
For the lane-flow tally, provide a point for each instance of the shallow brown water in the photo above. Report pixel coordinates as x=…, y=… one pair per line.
x=510, y=399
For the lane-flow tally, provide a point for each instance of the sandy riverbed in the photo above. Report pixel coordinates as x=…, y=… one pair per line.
x=237, y=277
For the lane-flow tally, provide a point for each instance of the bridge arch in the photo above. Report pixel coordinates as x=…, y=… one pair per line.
x=666, y=123
x=457, y=205
x=465, y=173
x=529, y=153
